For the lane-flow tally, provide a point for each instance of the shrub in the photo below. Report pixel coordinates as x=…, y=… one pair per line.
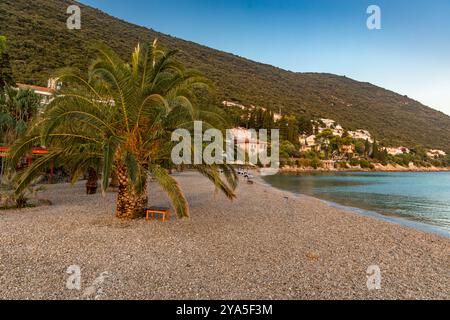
x=366, y=164
x=10, y=199
x=354, y=162
x=316, y=163
x=341, y=165
x=309, y=155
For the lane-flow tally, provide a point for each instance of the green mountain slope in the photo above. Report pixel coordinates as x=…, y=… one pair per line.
x=40, y=43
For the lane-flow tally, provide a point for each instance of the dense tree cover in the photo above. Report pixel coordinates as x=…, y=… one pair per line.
x=40, y=43
x=6, y=76
x=331, y=146
x=252, y=118
x=365, y=154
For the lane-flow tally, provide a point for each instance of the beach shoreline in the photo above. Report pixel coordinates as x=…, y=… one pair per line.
x=267, y=244
x=376, y=169
x=391, y=218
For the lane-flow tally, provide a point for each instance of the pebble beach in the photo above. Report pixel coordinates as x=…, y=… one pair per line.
x=266, y=244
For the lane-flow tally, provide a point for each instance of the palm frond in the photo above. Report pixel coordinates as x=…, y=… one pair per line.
x=173, y=190
x=213, y=174
x=34, y=171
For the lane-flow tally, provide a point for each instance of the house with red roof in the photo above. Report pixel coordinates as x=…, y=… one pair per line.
x=46, y=93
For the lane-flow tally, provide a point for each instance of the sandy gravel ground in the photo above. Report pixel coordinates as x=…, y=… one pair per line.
x=267, y=244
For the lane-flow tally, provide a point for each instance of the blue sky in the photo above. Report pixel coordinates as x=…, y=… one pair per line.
x=409, y=55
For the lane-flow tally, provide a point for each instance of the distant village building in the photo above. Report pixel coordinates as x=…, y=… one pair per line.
x=338, y=130
x=434, y=154
x=361, y=135
x=247, y=142
x=397, y=151
x=329, y=124
x=308, y=143
x=45, y=93
x=347, y=149
x=276, y=116
x=233, y=104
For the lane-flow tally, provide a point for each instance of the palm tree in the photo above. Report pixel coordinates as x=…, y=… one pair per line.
x=121, y=116
x=17, y=109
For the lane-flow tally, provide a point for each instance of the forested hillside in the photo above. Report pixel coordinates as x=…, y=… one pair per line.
x=39, y=43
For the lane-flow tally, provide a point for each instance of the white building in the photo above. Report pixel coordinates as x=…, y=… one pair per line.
x=247, y=140
x=276, y=116
x=434, y=153
x=46, y=93
x=329, y=124
x=361, y=135
x=233, y=104
x=308, y=143
x=398, y=151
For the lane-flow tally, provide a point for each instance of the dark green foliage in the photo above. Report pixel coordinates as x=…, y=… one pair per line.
x=313, y=162
x=151, y=94
x=252, y=118
x=420, y=153
x=382, y=157
x=365, y=164
x=403, y=159
x=375, y=150
x=288, y=126
x=367, y=148
x=288, y=150
x=360, y=147
x=6, y=77
x=39, y=43
x=305, y=125
x=17, y=109
x=354, y=162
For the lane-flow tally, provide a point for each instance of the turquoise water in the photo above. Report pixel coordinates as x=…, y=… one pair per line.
x=420, y=200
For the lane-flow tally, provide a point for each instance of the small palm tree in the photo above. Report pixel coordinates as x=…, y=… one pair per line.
x=11, y=199
x=17, y=109
x=121, y=116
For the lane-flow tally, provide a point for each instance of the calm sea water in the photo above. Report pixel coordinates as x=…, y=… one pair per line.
x=420, y=200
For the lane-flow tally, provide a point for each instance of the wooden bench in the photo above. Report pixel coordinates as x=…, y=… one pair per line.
x=165, y=212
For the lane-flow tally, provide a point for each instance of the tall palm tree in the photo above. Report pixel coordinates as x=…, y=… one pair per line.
x=122, y=115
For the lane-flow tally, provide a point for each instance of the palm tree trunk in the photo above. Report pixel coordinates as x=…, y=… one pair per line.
x=130, y=204
x=114, y=184
x=92, y=182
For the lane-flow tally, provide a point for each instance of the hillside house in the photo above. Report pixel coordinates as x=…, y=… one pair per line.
x=45, y=93
x=361, y=135
x=435, y=154
x=308, y=143
x=398, y=151
x=247, y=141
x=276, y=116
x=347, y=149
